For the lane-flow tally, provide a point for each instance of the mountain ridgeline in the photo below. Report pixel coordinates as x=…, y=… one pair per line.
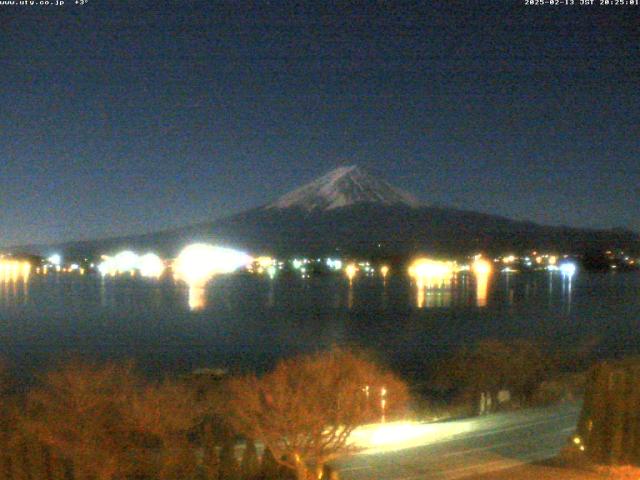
x=349, y=211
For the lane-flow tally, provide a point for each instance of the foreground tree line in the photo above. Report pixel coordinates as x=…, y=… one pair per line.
x=494, y=374
x=609, y=426
x=89, y=421
x=84, y=421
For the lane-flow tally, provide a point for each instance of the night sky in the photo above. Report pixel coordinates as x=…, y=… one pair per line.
x=125, y=117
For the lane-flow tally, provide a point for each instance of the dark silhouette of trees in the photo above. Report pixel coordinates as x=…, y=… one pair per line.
x=490, y=366
x=609, y=425
x=162, y=415
x=229, y=468
x=250, y=464
x=269, y=468
x=306, y=408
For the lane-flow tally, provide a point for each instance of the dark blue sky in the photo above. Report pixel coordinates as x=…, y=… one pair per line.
x=124, y=117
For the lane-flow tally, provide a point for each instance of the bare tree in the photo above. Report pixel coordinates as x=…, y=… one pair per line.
x=78, y=412
x=306, y=408
x=164, y=414
x=111, y=424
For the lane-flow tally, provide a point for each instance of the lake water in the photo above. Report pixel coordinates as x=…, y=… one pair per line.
x=246, y=322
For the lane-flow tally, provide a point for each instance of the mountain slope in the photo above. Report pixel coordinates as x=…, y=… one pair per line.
x=349, y=211
x=343, y=187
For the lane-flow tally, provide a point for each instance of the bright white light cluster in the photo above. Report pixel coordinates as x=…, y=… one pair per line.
x=425, y=268
x=334, y=263
x=55, y=259
x=366, y=268
x=568, y=269
x=198, y=262
x=394, y=436
x=148, y=265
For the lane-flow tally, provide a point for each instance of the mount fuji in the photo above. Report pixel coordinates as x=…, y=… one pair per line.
x=343, y=187
x=350, y=211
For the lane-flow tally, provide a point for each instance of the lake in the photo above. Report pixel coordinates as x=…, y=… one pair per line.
x=245, y=322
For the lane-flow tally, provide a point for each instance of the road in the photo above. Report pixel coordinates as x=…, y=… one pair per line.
x=461, y=448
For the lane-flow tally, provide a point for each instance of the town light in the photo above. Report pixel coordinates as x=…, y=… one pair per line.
x=125, y=261
x=150, y=265
x=384, y=271
x=198, y=262
x=265, y=261
x=481, y=266
x=271, y=271
x=428, y=272
x=568, y=269
x=14, y=270
x=334, y=263
x=55, y=259
x=351, y=270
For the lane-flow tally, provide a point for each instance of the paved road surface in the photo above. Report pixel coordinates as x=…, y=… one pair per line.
x=457, y=449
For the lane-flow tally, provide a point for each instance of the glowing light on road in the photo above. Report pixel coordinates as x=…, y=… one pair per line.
x=393, y=436
x=198, y=262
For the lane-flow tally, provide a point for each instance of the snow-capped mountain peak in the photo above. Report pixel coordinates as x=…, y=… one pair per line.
x=342, y=187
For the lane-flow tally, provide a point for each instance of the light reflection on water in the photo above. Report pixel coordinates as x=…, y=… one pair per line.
x=463, y=289
x=247, y=318
x=482, y=288
x=447, y=291
x=197, y=297
x=14, y=286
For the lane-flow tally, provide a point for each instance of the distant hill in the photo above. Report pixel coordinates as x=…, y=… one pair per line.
x=351, y=211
